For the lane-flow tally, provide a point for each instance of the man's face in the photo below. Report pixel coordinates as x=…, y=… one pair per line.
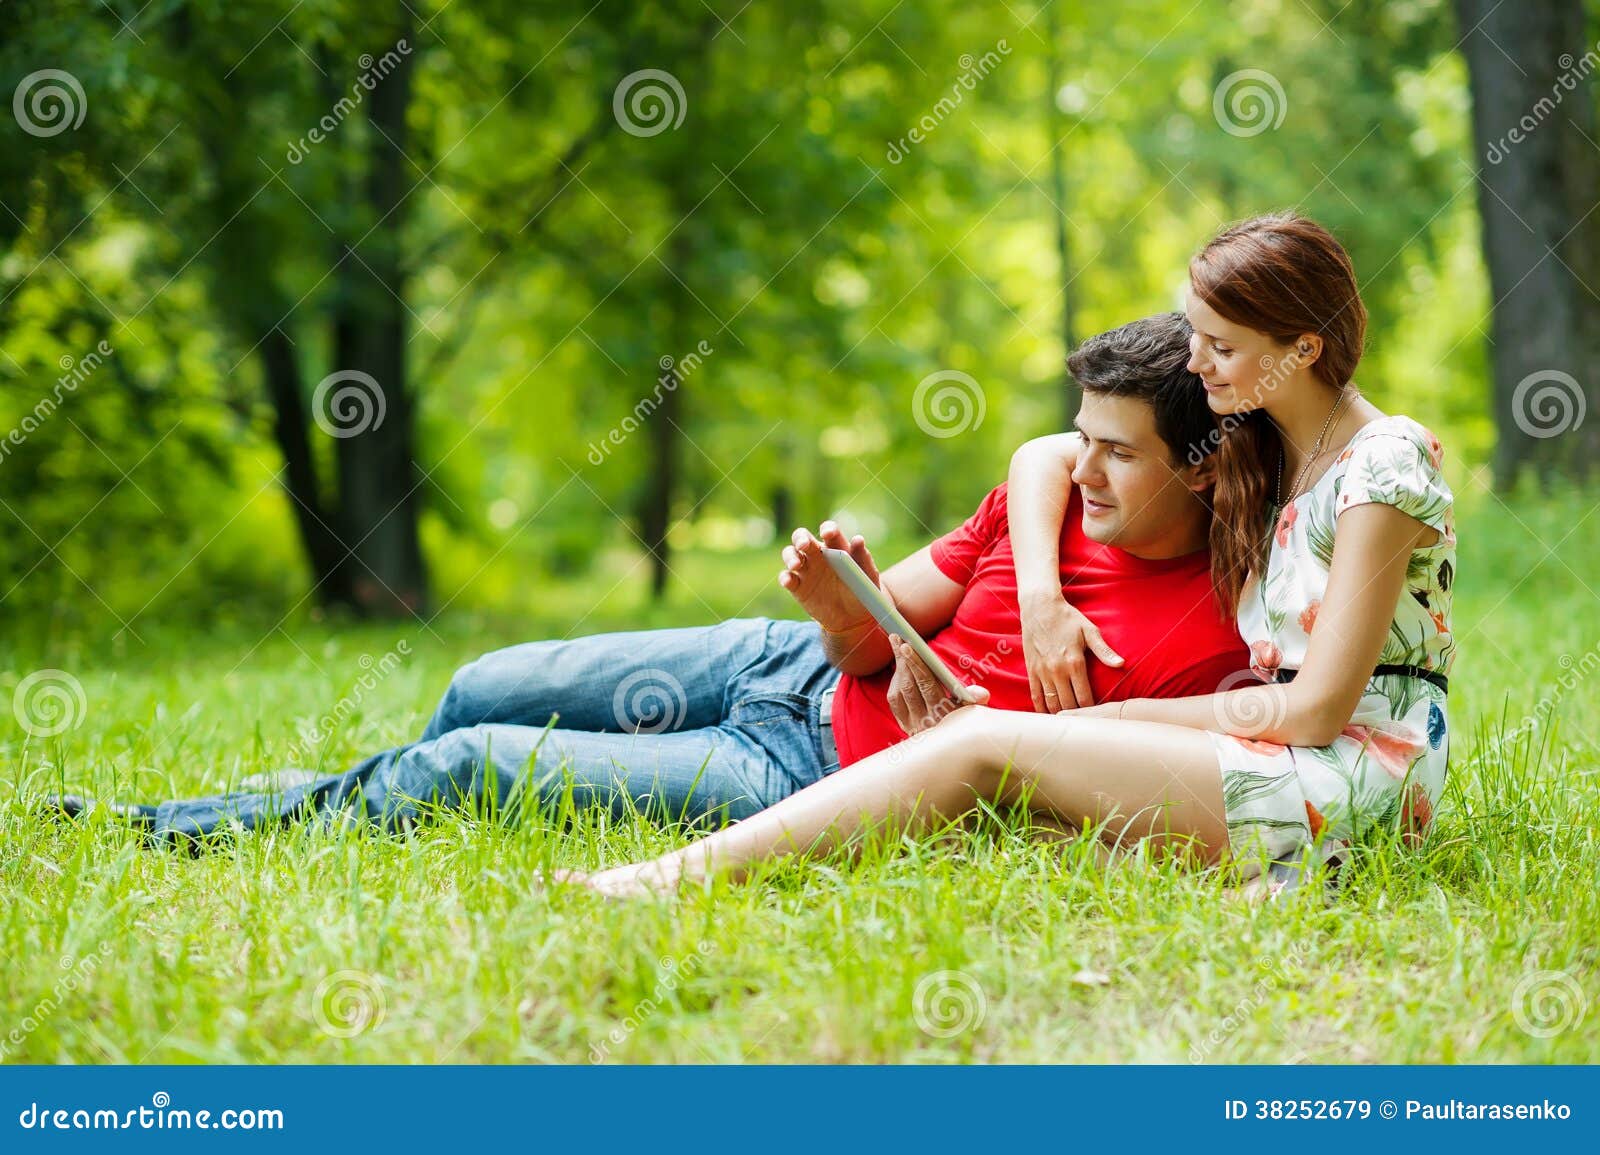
x=1134, y=492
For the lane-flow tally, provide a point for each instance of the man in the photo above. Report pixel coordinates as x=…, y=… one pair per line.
x=716, y=723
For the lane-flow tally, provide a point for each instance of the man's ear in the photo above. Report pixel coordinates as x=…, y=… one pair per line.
x=1203, y=475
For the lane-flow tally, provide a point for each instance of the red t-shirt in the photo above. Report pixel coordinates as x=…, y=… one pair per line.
x=1159, y=615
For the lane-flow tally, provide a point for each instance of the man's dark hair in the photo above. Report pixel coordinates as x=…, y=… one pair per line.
x=1146, y=359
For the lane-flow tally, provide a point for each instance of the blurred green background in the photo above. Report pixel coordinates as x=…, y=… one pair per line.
x=341, y=342
x=396, y=309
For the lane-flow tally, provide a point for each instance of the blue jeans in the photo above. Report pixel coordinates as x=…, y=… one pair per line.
x=706, y=724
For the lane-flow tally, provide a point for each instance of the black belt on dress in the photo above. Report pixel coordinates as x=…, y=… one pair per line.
x=1433, y=676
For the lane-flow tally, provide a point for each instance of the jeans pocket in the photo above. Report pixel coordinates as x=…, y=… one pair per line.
x=769, y=708
x=781, y=724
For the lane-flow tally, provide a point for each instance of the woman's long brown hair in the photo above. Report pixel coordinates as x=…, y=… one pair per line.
x=1281, y=275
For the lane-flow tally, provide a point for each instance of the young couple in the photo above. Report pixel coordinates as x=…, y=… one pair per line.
x=1092, y=600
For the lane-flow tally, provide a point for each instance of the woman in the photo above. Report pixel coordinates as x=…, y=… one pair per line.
x=1333, y=543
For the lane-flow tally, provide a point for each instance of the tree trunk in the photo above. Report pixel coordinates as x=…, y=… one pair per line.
x=1582, y=249
x=666, y=421
x=783, y=507
x=286, y=392
x=379, y=501
x=655, y=511
x=1534, y=178
x=1071, y=396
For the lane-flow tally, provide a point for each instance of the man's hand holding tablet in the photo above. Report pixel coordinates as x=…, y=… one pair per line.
x=815, y=585
x=836, y=581
x=917, y=695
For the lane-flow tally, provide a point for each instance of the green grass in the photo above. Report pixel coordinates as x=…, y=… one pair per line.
x=433, y=947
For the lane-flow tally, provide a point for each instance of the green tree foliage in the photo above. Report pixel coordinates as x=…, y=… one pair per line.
x=641, y=276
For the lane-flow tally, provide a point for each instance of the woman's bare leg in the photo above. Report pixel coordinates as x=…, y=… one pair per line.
x=1140, y=779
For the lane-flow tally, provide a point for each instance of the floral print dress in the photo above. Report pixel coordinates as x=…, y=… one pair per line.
x=1387, y=769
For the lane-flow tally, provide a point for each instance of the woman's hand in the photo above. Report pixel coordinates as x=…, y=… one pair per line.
x=1056, y=643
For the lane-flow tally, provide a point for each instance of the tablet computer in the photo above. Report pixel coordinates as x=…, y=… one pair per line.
x=883, y=612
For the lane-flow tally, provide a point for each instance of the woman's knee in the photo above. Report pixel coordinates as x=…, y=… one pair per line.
x=973, y=747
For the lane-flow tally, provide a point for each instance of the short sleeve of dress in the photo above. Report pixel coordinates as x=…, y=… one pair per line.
x=1398, y=467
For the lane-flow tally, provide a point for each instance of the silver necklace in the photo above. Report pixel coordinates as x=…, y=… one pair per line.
x=1316, y=452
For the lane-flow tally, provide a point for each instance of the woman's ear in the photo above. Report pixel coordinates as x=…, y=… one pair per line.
x=1308, y=347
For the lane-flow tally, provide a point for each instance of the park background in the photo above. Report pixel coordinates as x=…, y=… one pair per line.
x=341, y=342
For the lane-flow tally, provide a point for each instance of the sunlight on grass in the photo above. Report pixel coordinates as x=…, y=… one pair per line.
x=979, y=944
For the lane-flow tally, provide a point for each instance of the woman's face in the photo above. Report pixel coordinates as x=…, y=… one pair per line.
x=1239, y=366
